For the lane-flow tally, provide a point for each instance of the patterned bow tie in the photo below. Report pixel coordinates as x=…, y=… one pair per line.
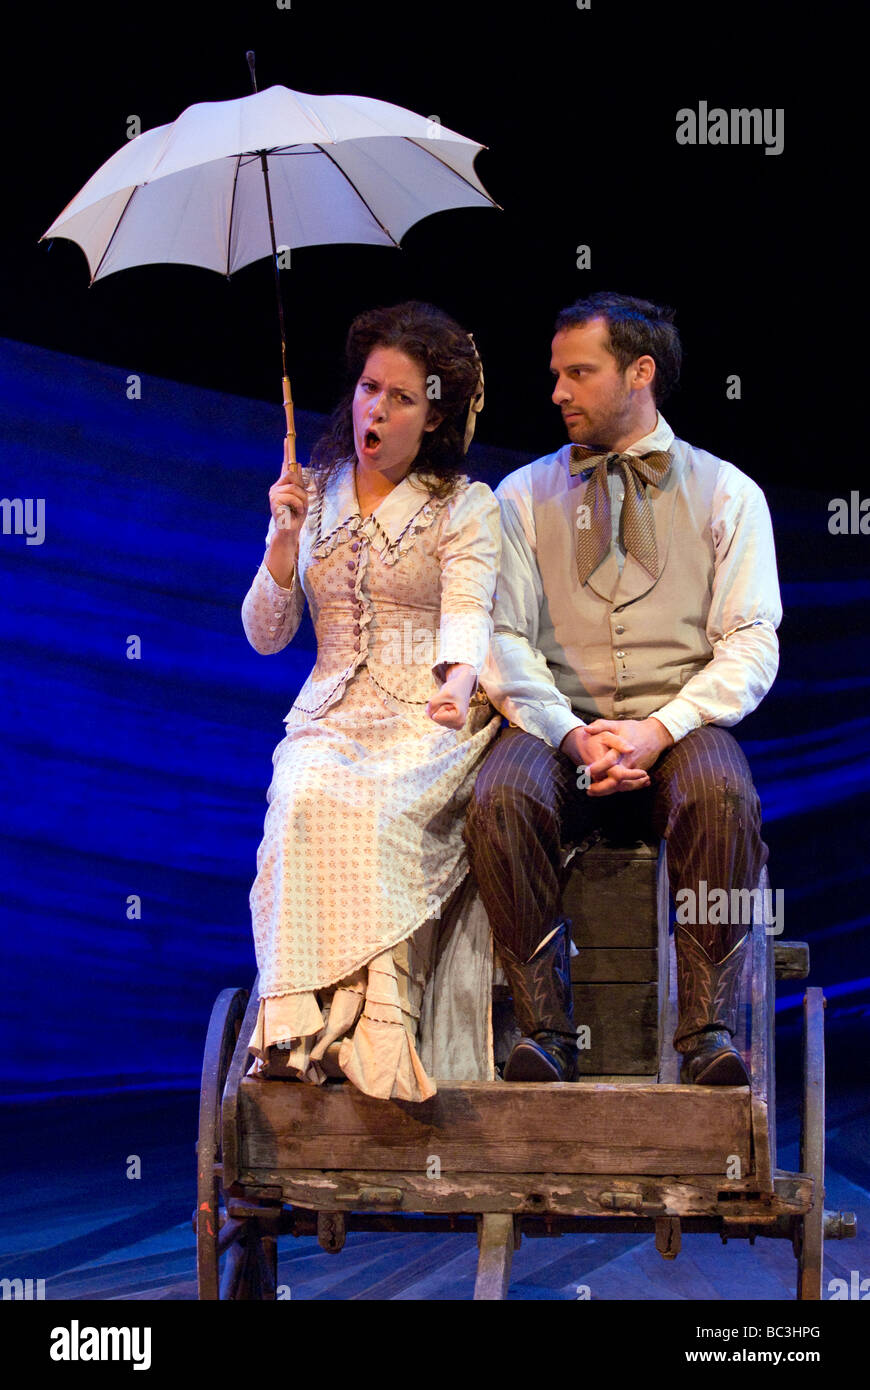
x=638, y=526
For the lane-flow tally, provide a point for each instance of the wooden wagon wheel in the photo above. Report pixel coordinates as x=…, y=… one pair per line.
x=248, y=1271
x=809, y=1236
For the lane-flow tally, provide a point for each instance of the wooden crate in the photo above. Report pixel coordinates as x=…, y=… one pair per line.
x=619, y=913
x=612, y=900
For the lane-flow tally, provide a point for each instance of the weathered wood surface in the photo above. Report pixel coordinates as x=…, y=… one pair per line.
x=622, y=1019
x=497, y=1244
x=791, y=960
x=534, y=1194
x=762, y=1065
x=811, y=1244
x=770, y=1050
x=480, y=1126
x=226, y=1017
x=611, y=897
x=669, y=1059
x=600, y=964
x=229, y=1107
x=669, y=1239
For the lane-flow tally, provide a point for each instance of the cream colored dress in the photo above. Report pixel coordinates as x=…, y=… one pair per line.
x=362, y=845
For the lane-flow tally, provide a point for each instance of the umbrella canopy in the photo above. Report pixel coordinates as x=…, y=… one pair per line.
x=341, y=169
x=230, y=182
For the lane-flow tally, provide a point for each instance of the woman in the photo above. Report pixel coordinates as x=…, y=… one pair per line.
x=397, y=554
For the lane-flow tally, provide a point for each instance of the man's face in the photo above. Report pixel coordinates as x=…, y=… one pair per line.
x=597, y=402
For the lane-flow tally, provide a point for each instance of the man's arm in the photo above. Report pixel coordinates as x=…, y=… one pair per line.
x=516, y=676
x=745, y=611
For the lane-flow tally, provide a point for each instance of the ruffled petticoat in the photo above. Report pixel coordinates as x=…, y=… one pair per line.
x=374, y=1013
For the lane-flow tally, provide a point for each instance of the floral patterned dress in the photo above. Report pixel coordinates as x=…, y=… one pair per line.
x=362, y=844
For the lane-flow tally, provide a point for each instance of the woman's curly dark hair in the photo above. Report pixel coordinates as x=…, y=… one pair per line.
x=445, y=352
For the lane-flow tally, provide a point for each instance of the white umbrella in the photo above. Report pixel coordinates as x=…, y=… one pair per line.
x=337, y=169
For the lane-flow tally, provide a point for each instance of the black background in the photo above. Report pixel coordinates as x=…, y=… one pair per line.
x=578, y=111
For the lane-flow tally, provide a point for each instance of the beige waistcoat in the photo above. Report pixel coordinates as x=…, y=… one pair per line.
x=621, y=645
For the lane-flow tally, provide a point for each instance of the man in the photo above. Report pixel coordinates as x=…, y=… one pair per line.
x=635, y=620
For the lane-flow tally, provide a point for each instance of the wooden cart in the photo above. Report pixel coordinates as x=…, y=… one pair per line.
x=626, y=1148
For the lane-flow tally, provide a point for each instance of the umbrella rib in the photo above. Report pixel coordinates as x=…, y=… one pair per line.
x=274, y=152
x=232, y=210
x=445, y=165
x=363, y=200
x=114, y=233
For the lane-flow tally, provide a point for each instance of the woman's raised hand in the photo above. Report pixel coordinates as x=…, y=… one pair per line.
x=284, y=547
x=289, y=491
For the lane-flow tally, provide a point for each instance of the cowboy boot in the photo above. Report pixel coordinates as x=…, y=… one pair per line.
x=544, y=1008
x=708, y=995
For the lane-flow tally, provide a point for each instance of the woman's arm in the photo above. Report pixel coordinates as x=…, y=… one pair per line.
x=272, y=608
x=271, y=612
x=469, y=550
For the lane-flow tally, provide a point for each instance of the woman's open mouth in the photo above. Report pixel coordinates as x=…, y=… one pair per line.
x=371, y=441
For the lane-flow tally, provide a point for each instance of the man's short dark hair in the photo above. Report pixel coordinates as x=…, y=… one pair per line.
x=637, y=328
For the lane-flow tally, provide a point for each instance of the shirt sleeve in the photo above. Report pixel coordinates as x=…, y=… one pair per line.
x=745, y=611
x=469, y=551
x=271, y=614
x=516, y=676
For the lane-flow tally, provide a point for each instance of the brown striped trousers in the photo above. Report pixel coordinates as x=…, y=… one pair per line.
x=527, y=810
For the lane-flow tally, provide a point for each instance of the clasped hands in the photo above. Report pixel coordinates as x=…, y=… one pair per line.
x=617, y=752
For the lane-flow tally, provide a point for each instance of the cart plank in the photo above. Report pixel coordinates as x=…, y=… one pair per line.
x=491, y=1126
x=536, y=1194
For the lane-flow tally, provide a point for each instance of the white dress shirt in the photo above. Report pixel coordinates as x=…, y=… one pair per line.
x=744, y=611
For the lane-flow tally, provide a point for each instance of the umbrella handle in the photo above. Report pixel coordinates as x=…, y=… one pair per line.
x=290, y=437
x=291, y=467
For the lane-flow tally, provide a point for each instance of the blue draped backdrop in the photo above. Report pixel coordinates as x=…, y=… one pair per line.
x=147, y=776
